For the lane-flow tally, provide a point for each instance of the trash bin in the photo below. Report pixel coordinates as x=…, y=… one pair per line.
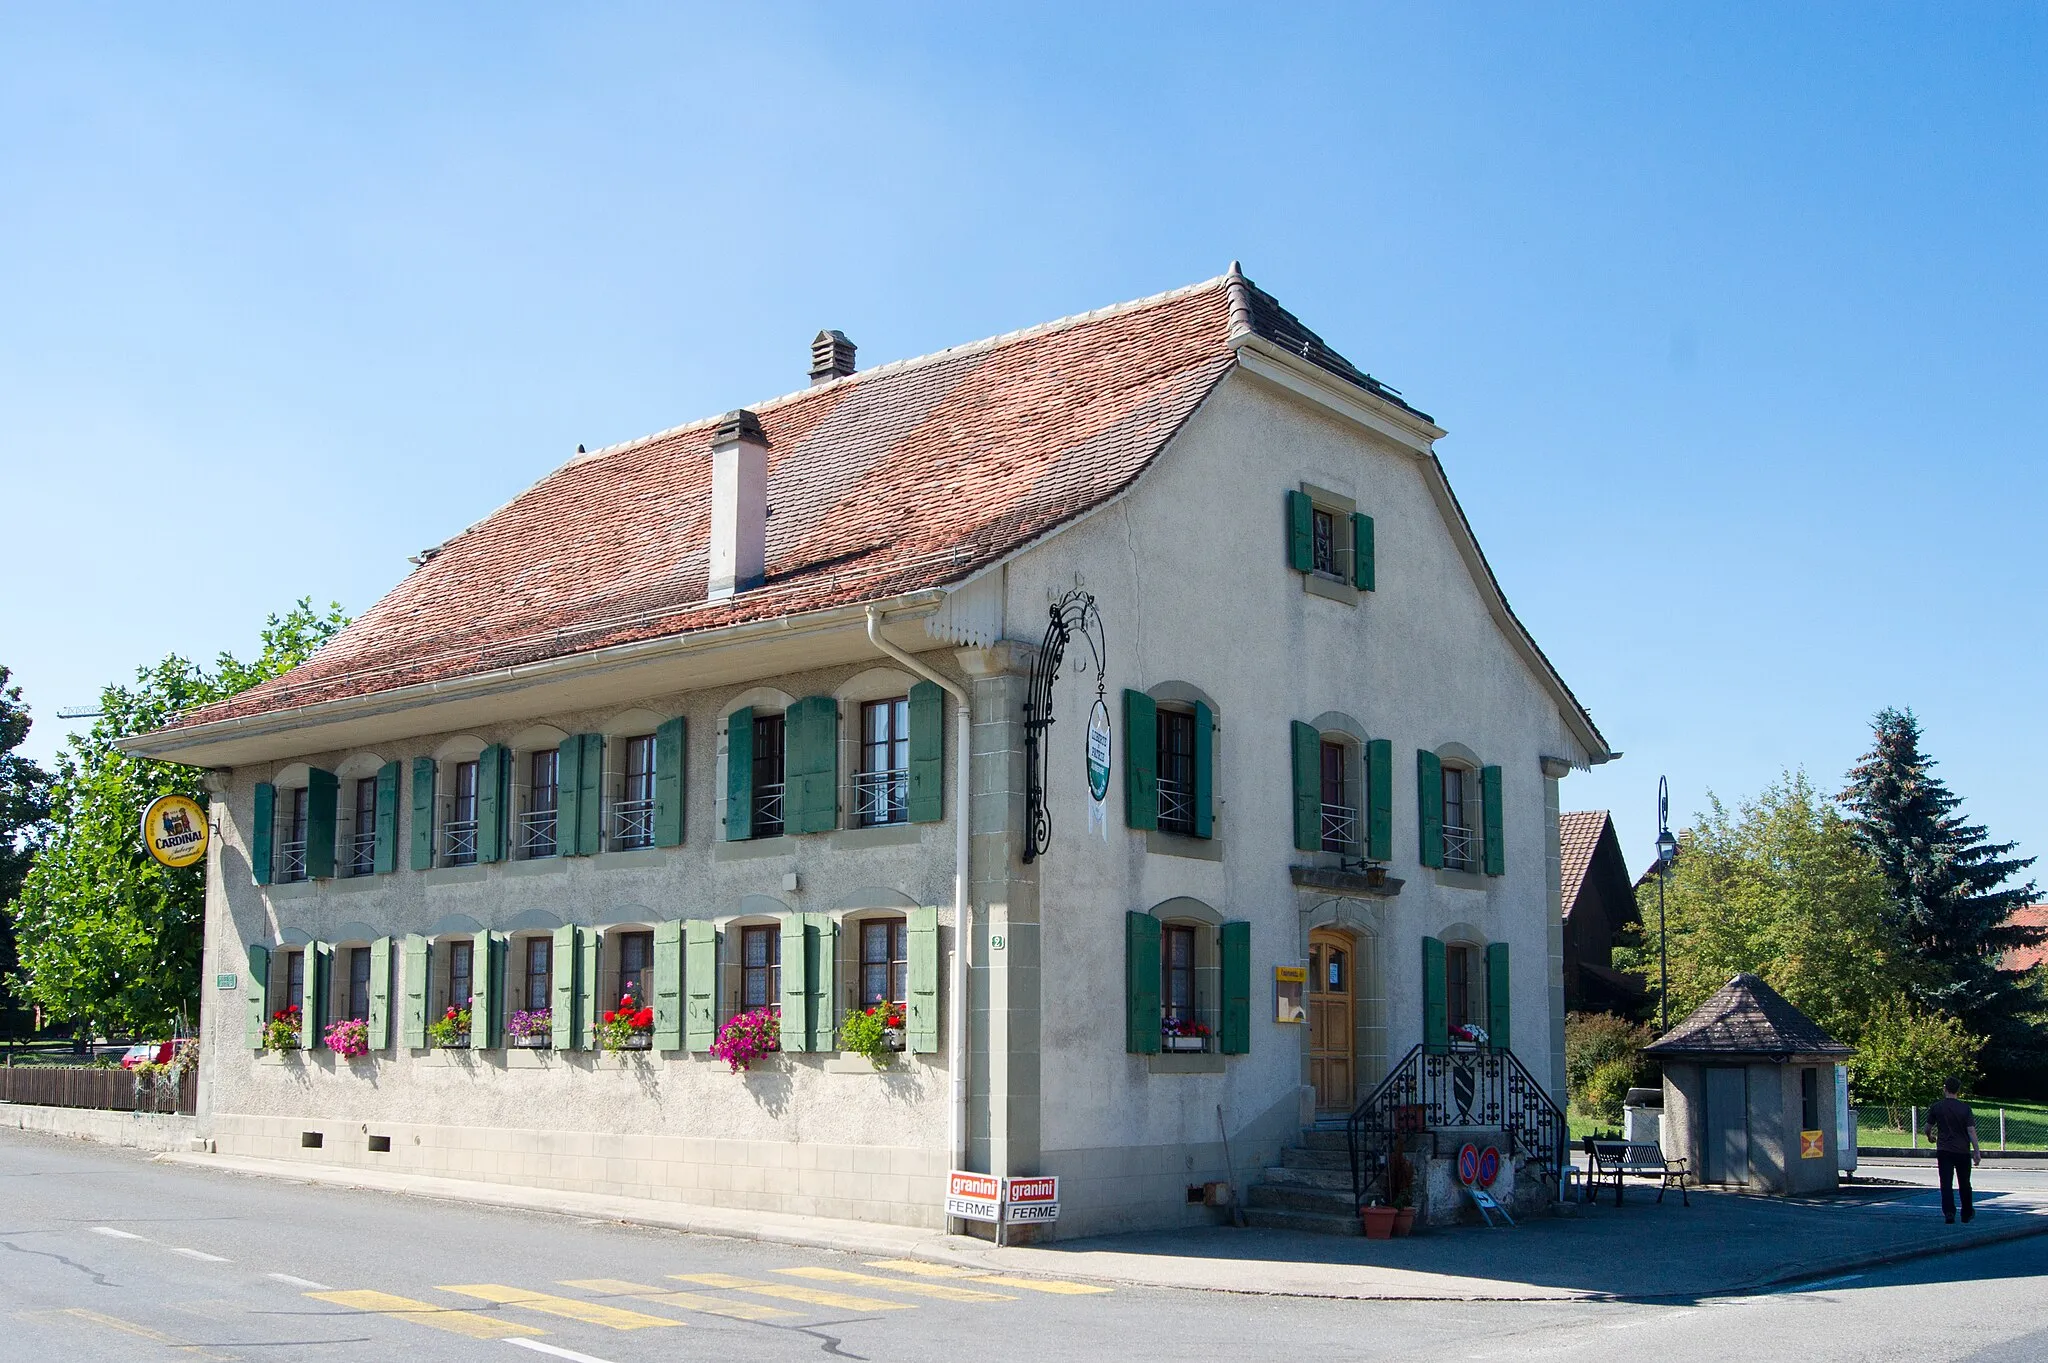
x=1642, y=1116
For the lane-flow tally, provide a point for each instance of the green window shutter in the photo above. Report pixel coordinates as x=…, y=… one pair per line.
x=927, y=753
x=1497, y=1034
x=811, y=734
x=1362, y=576
x=668, y=782
x=1307, y=744
x=1429, y=806
x=562, y=1029
x=423, y=814
x=1301, y=545
x=1489, y=798
x=821, y=966
x=568, y=808
x=256, y=994
x=796, y=984
x=590, y=797
x=487, y=1011
x=1237, y=988
x=922, y=1020
x=1379, y=799
x=387, y=818
x=668, y=985
x=1436, y=1018
x=1141, y=760
x=739, y=775
x=262, y=829
x=313, y=1002
x=380, y=994
x=1205, y=771
x=588, y=969
x=322, y=788
x=700, y=983
x=493, y=790
x=1141, y=983
x=412, y=1029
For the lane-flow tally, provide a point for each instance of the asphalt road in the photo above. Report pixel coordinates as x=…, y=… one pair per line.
x=105, y=1255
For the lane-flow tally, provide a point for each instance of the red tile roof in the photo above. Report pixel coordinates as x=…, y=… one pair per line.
x=903, y=477
x=2026, y=958
x=1579, y=836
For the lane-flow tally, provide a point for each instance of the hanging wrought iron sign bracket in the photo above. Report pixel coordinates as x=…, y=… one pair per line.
x=1072, y=614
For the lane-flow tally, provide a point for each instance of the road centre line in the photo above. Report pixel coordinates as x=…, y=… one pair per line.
x=942, y=1291
x=118, y=1234
x=555, y=1350
x=198, y=1254
x=838, y=1301
x=306, y=1283
x=1056, y=1286
x=682, y=1301
x=472, y=1324
x=571, y=1308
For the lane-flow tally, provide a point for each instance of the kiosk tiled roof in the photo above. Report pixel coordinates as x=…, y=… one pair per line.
x=1746, y=1017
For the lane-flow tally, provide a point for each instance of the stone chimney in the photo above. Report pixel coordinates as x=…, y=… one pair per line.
x=739, y=504
x=831, y=357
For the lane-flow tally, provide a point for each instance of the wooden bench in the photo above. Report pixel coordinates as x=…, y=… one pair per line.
x=1613, y=1162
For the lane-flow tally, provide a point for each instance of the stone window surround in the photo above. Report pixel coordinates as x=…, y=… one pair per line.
x=535, y=738
x=1187, y=911
x=1183, y=695
x=1458, y=756
x=763, y=700
x=355, y=767
x=451, y=752
x=638, y=722
x=1465, y=935
x=1338, y=727
x=1332, y=586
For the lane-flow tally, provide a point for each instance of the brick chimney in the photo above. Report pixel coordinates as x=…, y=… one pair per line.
x=739, y=505
x=831, y=357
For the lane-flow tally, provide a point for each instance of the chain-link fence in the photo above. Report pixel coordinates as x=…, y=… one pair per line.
x=1998, y=1127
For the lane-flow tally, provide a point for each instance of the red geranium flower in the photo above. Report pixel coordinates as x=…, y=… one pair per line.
x=644, y=1018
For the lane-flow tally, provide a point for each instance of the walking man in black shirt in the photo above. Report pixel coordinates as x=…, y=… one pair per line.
x=1953, y=1129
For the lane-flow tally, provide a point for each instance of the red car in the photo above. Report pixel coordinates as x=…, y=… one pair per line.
x=148, y=1053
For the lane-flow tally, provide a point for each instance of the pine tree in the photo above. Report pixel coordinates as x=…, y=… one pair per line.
x=1945, y=881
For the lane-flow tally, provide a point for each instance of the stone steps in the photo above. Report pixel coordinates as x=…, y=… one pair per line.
x=1309, y=1189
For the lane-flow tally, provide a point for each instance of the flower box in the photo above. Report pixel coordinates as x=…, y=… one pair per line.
x=892, y=1038
x=639, y=1041
x=1183, y=1043
x=539, y=1041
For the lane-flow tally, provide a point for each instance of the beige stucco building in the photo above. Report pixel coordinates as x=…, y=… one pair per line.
x=734, y=717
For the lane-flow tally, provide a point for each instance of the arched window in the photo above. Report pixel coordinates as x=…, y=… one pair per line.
x=456, y=800
x=356, y=815
x=537, y=792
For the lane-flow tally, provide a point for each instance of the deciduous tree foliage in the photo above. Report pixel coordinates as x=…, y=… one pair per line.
x=1906, y=1051
x=1782, y=887
x=1952, y=918
x=24, y=814
x=108, y=937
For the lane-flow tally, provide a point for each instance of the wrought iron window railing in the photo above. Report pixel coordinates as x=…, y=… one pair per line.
x=768, y=810
x=537, y=833
x=881, y=797
x=1340, y=828
x=291, y=860
x=1176, y=806
x=459, y=839
x=1460, y=848
x=362, y=853
x=632, y=824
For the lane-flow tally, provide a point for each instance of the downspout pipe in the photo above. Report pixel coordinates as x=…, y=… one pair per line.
x=956, y=1038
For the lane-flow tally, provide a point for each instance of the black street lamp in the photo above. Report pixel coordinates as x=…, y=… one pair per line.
x=1667, y=851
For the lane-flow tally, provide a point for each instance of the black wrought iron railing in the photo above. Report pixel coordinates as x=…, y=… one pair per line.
x=1465, y=1086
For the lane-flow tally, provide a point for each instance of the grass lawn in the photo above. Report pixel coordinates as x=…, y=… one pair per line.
x=2026, y=1125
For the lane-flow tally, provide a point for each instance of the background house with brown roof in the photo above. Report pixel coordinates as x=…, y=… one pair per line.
x=732, y=718
x=1599, y=906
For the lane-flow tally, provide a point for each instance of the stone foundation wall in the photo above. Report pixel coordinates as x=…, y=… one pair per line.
x=136, y=1130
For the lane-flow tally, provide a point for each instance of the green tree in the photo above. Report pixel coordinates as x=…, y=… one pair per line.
x=24, y=820
x=1906, y=1051
x=110, y=939
x=1783, y=888
x=1944, y=881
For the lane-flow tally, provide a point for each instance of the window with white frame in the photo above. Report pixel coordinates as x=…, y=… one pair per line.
x=458, y=831
x=292, y=809
x=884, y=961
x=632, y=968
x=632, y=814
x=882, y=785
x=361, y=857
x=538, y=817
x=1461, y=841
x=760, y=966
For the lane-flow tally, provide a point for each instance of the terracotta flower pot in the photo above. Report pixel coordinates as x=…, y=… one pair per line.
x=1404, y=1221
x=1379, y=1222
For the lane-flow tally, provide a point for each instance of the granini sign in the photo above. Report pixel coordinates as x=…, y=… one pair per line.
x=174, y=830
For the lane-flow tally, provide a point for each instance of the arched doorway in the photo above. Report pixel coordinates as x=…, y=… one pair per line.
x=1332, y=1020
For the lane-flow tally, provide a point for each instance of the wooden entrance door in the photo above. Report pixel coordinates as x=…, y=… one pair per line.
x=1332, y=1035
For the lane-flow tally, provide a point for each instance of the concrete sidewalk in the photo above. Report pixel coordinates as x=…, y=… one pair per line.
x=1723, y=1244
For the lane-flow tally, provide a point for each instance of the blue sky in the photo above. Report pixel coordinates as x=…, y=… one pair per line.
x=1735, y=315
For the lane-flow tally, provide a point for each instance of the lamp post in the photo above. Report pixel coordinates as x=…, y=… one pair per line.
x=1667, y=850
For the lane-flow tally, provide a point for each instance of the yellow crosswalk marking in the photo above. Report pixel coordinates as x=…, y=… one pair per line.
x=589, y=1312
x=942, y=1291
x=1057, y=1286
x=838, y=1301
x=684, y=1301
x=471, y=1323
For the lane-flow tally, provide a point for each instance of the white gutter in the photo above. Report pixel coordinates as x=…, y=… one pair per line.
x=956, y=1038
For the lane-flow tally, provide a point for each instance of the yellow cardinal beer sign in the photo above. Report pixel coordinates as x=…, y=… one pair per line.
x=174, y=830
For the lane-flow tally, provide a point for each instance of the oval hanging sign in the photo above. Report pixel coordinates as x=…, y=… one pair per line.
x=174, y=830
x=1098, y=750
